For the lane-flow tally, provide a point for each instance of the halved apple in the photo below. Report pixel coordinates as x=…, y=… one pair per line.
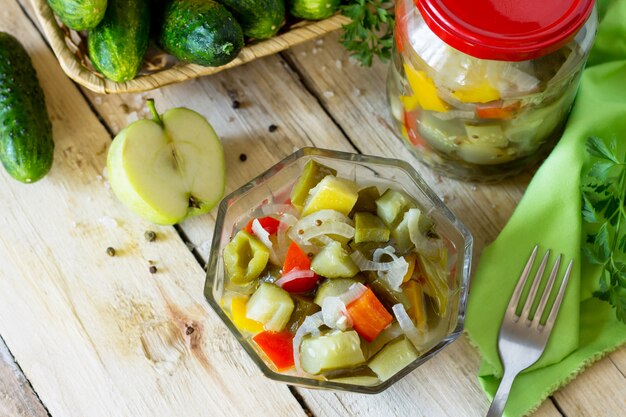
x=168, y=168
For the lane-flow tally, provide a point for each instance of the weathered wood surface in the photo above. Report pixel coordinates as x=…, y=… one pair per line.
x=316, y=97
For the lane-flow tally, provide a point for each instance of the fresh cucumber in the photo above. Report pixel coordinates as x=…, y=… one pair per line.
x=26, y=145
x=202, y=32
x=79, y=14
x=259, y=19
x=117, y=45
x=313, y=9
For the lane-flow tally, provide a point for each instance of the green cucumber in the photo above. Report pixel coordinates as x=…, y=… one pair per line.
x=259, y=19
x=26, y=145
x=202, y=32
x=79, y=14
x=270, y=305
x=333, y=350
x=313, y=9
x=333, y=261
x=393, y=358
x=117, y=45
x=332, y=288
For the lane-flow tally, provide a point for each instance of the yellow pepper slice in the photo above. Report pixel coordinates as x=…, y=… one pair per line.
x=410, y=103
x=482, y=93
x=238, y=313
x=424, y=90
x=415, y=294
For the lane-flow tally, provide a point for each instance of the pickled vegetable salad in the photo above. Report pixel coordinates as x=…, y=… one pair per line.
x=341, y=283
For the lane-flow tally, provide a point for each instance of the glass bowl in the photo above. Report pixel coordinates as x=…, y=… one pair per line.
x=274, y=186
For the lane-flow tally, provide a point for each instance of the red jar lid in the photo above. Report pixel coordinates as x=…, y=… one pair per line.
x=505, y=30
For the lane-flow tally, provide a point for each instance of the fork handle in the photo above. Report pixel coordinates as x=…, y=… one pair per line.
x=499, y=401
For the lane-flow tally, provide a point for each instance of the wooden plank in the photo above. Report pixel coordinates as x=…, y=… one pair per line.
x=356, y=99
x=17, y=397
x=105, y=337
x=599, y=391
x=619, y=360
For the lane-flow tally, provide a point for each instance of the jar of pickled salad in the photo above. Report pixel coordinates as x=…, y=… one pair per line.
x=481, y=90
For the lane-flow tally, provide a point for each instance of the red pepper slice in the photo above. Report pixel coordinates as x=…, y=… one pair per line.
x=410, y=124
x=278, y=346
x=268, y=223
x=296, y=258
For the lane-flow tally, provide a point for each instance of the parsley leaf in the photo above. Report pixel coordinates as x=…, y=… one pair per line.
x=370, y=34
x=603, y=208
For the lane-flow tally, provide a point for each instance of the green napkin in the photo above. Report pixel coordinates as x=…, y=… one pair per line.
x=550, y=214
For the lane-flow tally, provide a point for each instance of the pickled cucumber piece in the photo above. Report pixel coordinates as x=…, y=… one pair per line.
x=369, y=228
x=415, y=294
x=270, y=305
x=401, y=235
x=491, y=134
x=332, y=288
x=312, y=174
x=484, y=154
x=245, y=257
x=436, y=283
x=393, y=358
x=333, y=261
x=304, y=307
x=367, y=199
x=391, y=332
x=332, y=350
x=390, y=207
x=387, y=296
x=332, y=193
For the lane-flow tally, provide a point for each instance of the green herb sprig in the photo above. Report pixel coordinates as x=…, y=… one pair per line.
x=604, y=196
x=370, y=34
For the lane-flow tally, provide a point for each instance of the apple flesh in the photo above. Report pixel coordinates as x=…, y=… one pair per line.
x=168, y=168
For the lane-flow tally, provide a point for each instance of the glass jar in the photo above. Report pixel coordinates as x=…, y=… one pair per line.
x=481, y=90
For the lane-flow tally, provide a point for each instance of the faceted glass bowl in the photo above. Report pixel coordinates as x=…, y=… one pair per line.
x=274, y=186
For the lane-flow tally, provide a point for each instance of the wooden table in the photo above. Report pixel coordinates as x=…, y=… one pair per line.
x=90, y=335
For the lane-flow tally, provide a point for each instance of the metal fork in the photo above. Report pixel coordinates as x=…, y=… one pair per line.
x=521, y=341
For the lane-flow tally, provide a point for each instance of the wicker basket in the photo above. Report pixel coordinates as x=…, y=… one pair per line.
x=160, y=69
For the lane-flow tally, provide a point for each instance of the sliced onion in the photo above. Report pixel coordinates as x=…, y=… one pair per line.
x=355, y=291
x=282, y=241
x=261, y=233
x=320, y=217
x=454, y=114
x=310, y=325
x=395, y=275
x=335, y=311
x=334, y=228
x=276, y=209
x=288, y=219
x=294, y=274
x=264, y=237
x=365, y=264
x=409, y=329
x=335, y=314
